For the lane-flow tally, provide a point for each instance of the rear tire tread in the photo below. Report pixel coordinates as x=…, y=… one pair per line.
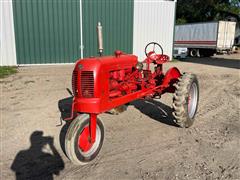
x=180, y=100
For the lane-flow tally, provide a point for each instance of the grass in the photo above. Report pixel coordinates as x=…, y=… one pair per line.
x=7, y=70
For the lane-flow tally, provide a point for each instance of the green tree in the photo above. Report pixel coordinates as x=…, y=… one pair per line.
x=199, y=11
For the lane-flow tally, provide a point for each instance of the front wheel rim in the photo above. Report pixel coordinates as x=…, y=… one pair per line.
x=90, y=148
x=192, y=100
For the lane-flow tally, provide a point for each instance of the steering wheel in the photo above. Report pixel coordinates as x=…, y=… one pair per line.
x=153, y=44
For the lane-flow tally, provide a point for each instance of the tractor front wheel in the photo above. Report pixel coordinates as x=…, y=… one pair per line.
x=185, y=100
x=78, y=146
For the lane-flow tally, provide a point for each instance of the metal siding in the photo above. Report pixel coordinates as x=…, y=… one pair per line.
x=117, y=21
x=7, y=37
x=196, y=32
x=47, y=31
x=153, y=21
x=175, y=15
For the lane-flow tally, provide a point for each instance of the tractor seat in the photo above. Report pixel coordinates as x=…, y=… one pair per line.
x=157, y=58
x=162, y=59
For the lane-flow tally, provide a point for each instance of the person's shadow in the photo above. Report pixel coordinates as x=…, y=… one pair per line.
x=34, y=163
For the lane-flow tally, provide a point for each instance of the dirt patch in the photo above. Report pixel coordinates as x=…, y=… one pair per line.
x=140, y=143
x=27, y=82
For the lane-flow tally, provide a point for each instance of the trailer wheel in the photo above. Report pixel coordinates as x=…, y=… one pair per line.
x=195, y=53
x=78, y=148
x=185, y=100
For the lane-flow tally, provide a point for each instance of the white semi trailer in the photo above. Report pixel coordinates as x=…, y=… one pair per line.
x=205, y=39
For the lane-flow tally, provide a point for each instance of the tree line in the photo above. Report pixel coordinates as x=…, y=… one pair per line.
x=189, y=11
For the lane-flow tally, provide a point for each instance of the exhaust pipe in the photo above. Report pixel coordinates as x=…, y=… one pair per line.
x=100, y=39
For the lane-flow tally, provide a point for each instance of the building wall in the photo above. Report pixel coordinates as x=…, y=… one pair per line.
x=153, y=21
x=47, y=31
x=7, y=37
x=116, y=18
x=50, y=31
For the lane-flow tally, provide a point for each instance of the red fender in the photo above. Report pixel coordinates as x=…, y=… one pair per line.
x=170, y=78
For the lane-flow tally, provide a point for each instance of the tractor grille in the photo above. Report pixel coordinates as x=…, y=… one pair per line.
x=75, y=83
x=87, y=84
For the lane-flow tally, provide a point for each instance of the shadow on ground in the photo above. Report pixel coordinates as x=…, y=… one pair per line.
x=156, y=111
x=35, y=162
x=65, y=108
x=221, y=62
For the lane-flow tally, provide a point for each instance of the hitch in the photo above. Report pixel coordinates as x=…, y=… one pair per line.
x=69, y=91
x=61, y=122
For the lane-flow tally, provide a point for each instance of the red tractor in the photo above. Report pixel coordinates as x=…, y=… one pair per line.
x=103, y=83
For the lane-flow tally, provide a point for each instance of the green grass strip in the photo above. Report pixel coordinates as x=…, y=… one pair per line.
x=7, y=70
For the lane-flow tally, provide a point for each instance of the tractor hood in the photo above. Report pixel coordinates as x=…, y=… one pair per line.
x=107, y=62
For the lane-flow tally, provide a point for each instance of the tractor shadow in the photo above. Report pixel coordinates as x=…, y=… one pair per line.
x=213, y=61
x=156, y=111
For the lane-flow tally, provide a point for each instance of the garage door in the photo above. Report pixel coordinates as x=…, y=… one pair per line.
x=117, y=21
x=47, y=31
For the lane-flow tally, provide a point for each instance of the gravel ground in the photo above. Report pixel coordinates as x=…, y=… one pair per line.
x=140, y=143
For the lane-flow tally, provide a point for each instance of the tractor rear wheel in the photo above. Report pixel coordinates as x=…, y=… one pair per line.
x=77, y=146
x=185, y=100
